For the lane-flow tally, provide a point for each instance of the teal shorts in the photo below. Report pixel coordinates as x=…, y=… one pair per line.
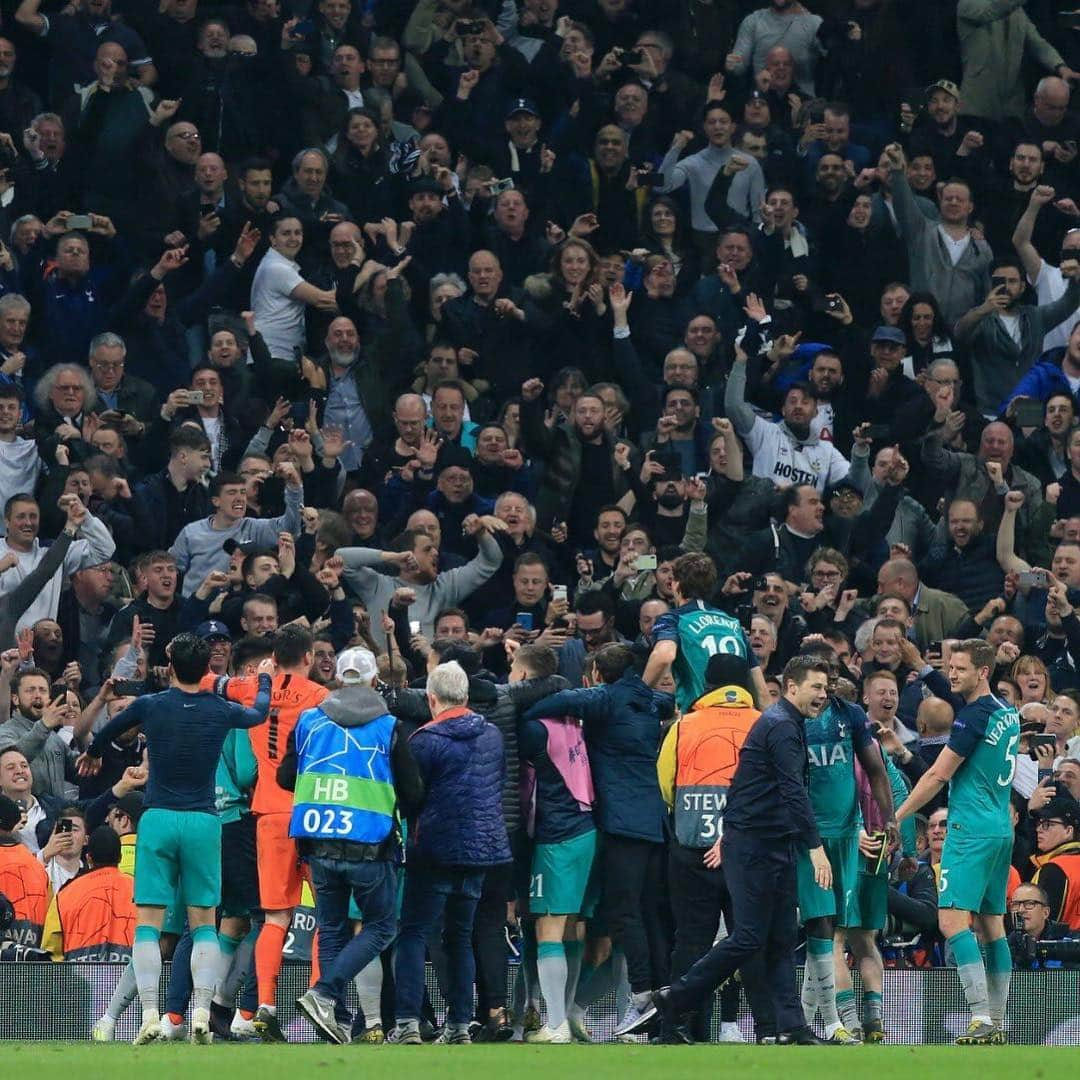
x=178, y=859
x=871, y=901
x=563, y=882
x=974, y=872
x=841, y=902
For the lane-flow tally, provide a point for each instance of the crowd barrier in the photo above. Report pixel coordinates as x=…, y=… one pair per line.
x=43, y=1001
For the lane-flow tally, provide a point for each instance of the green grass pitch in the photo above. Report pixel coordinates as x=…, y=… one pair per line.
x=87, y=1061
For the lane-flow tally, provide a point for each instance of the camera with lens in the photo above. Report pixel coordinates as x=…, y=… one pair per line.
x=1065, y=951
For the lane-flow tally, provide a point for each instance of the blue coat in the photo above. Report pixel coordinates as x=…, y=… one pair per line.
x=622, y=730
x=463, y=766
x=1042, y=379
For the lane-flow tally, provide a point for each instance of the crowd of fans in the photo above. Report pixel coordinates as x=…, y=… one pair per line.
x=445, y=328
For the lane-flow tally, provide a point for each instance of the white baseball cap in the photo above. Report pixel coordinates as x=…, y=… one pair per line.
x=357, y=666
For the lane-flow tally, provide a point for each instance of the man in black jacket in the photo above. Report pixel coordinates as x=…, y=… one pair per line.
x=168, y=500
x=767, y=819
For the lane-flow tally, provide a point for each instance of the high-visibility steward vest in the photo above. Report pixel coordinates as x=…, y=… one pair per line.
x=709, y=739
x=344, y=783
x=25, y=883
x=97, y=916
x=1066, y=857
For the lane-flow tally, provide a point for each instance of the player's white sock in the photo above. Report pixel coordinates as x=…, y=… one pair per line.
x=227, y=946
x=551, y=965
x=368, y=983
x=819, y=983
x=146, y=960
x=127, y=990
x=969, y=966
x=205, y=963
x=998, y=976
x=238, y=966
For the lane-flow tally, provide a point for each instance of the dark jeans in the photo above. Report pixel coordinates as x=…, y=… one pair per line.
x=760, y=875
x=699, y=896
x=373, y=885
x=489, y=939
x=636, y=911
x=429, y=892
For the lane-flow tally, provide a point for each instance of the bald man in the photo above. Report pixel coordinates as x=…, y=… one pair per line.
x=969, y=475
x=937, y=614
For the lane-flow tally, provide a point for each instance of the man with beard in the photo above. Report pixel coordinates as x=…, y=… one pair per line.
x=966, y=566
x=441, y=228
x=680, y=430
x=943, y=134
x=356, y=395
x=1006, y=335
x=1043, y=452
x=34, y=730
x=836, y=413
x=1001, y=204
x=599, y=563
x=677, y=513
x=824, y=210
x=787, y=453
x=582, y=472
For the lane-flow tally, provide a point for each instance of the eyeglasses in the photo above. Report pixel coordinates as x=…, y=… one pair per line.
x=1027, y=905
x=1046, y=823
x=829, y=575
x=187, y=136
x=107, y=365
x=943, y=382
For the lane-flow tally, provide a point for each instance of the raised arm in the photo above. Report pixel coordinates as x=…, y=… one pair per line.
x=733, y=465
x=465, y=580
x=28, y=15
x=735, y=405
x=1021, y=237
x=1007, y=558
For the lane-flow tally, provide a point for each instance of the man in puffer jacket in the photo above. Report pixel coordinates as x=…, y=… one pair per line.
x=459, y=832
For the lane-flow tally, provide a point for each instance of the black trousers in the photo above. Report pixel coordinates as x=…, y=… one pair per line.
x=489, y=939
x=699, y=896
x=760, y=876
x=637, y=913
